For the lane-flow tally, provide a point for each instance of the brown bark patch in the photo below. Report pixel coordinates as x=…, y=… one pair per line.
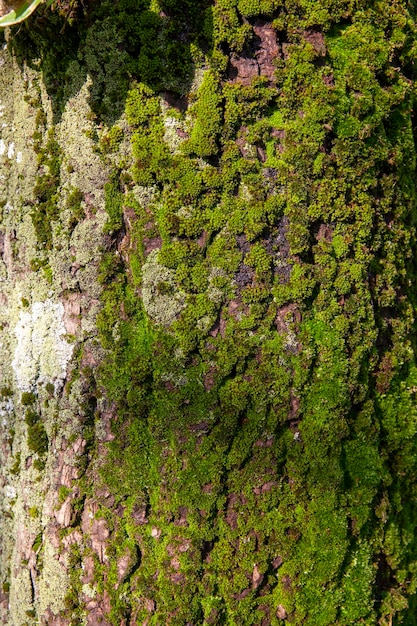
x=151, y=243
x=139, y=516
x=125, y=565
x=177, y=578
x=173, y=101
x=88, y=570
x=328, y=80
x=265, y=443
x=243, y=70
x=234, y=506
x=287, y=315
x=51, y=619
x=257, y=577
x=210, y=377
x=63, y=515
x=244, y=276
x=287, y=583
x=294, y=407
x=258, y=58
x=268, y=486
x=182, y=516
x=277, y=562
x=182, y=134
x=266, y=48
x=316, y=39
x=277, y=245
x=202, y=240
x=96, y=529
x=72, y=311
x=73, y=538
x=242, y=594
x=325, y=233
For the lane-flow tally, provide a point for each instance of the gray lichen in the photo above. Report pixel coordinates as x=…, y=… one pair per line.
x=162, y=300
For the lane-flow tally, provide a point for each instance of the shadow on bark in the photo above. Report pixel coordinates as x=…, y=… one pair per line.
x=114, y=44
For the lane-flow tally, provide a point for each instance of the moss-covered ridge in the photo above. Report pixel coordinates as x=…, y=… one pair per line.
x=267, y=432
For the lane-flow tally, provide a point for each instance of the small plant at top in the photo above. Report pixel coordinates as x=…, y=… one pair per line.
x=15, y=12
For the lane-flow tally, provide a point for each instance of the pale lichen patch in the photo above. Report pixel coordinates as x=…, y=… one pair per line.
x=42, y=353
x=175, y=133
x=20, y=597
x=53, y=581
x=82, y=167
x=162, y=300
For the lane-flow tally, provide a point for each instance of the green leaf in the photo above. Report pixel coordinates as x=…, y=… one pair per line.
x=19, y=15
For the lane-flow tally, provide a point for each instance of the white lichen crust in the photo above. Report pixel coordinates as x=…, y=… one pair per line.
x=42, y=353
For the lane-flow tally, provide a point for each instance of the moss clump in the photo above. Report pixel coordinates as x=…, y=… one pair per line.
x=74, y=204
x=63, y=493
x=114, y=205
x=6, y=392
x=151, y=154
x=111, y=140
x=15, y=468
x=45, y=210
x=208, y=116
x=33, y=512
x=27, y=398
x=50, y=389
x=31, y=417
x=37, y=438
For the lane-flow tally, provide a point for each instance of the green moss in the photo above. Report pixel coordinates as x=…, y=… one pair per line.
x=45, y=210
x=37, y=438
x=37, y=542
x=259, y=333
x=6, y=392
x=63, y=493
x=73, y=203
x=114, y=205
x=110, y=141
x=15, y=468
x=33, y=512
x=208, y=114
x=27, y=398
x=50, y=389
x=149, y=150
x=31, y=417
x=39, y=464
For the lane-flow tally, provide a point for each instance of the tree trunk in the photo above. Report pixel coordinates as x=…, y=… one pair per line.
x=207, y=287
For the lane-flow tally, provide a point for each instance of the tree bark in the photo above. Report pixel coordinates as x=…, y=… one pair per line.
x=207, y=287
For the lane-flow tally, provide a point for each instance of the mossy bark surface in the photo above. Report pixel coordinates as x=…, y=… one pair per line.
x=207, y=350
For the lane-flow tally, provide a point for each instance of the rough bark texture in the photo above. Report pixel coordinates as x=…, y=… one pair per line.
x=207, y=320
